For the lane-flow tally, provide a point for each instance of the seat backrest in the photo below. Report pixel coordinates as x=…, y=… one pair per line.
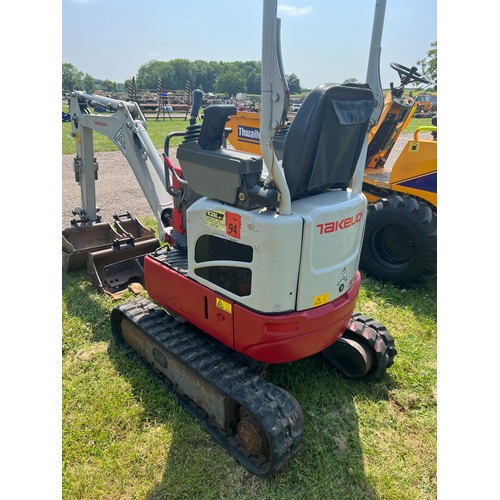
x=323, y=144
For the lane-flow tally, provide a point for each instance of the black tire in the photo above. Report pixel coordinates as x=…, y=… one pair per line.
x=400, y=242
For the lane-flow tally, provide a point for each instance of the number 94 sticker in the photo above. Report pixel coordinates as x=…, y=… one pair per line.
x=233, y=225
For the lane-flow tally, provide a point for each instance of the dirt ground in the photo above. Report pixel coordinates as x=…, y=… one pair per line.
x=117, y=190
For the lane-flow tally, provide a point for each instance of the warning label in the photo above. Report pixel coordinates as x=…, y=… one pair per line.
x=225, y=306
x=319, y=300
x=215, y=219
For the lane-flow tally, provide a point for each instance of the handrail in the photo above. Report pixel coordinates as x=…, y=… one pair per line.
x=424, y=128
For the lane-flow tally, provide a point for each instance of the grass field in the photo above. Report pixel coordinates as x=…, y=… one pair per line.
x=158, y=130
x=124, y=437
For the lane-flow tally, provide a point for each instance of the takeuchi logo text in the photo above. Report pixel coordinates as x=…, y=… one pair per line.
x=338, y=225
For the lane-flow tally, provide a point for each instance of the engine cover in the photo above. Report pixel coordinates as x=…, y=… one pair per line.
x=252, y=257
x=334, y=224
x=272, y=263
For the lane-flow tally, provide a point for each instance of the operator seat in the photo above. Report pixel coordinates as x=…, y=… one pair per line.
x=320, y=151
x=324, y=141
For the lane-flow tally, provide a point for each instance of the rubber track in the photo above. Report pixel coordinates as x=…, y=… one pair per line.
x=379, y=339
x=276, y=411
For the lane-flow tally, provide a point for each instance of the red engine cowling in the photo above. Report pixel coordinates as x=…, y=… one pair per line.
x=271, y=338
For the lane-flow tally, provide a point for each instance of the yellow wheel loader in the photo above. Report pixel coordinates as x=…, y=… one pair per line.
x=401, y=229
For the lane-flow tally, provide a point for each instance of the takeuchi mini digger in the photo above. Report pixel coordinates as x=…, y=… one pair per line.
x=262, y=265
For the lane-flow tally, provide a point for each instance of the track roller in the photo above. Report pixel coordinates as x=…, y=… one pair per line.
x=365, y=350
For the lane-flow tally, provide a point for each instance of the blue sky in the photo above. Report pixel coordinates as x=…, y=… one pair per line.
x=322, y=40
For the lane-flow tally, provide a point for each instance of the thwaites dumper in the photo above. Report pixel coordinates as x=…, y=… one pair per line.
x=400, y=243
x=264, y=262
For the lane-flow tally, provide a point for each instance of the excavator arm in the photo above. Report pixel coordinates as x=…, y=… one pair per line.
x=126, y=127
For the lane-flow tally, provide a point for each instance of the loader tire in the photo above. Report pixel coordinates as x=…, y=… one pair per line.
x=400, y=242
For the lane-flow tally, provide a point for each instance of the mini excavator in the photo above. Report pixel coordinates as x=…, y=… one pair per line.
x=263, y=262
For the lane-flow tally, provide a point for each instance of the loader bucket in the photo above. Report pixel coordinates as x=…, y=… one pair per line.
x=112, y=270
x=78, y=242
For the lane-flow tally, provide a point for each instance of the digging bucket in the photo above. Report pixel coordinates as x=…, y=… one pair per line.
x=112, y=253
x=113, y=269
x=78, y=242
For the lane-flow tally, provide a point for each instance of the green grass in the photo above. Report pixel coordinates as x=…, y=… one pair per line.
x=415, y=123
x=125, y=437
x=158, y=131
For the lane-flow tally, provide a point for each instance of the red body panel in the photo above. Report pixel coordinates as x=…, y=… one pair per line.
x=288, y=337
x=183, y=296
x=177, y=222
x=276, y=338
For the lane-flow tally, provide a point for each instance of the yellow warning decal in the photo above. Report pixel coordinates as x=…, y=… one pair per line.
x=225, y=306
x=215, y=219
x=413, y=147
x=319, y=300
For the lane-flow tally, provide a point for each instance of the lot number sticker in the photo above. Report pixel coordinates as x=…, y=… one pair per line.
x=233, y=224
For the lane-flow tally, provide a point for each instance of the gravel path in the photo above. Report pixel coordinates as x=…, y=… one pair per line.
x=117, y=189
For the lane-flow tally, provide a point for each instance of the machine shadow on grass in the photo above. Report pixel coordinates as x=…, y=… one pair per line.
x=330, y=463
x=331, y=455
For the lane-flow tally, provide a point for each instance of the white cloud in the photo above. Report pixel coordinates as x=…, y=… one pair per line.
x=290, y=10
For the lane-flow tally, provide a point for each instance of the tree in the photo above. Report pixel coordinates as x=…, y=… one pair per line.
x=429, y=64
x=88, y=83
x=149, y=74
x=293, y=84
x=253, y=82
x=180, y=72
x=71, y=78
x=109, y=86
x=204, y=74
x=230, y=82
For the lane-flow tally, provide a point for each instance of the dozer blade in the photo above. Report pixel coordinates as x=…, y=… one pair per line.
x=113, y=269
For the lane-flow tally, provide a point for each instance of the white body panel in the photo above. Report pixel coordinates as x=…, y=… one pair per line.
x=275, y=240
x=333, y=232
x=297, y=262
